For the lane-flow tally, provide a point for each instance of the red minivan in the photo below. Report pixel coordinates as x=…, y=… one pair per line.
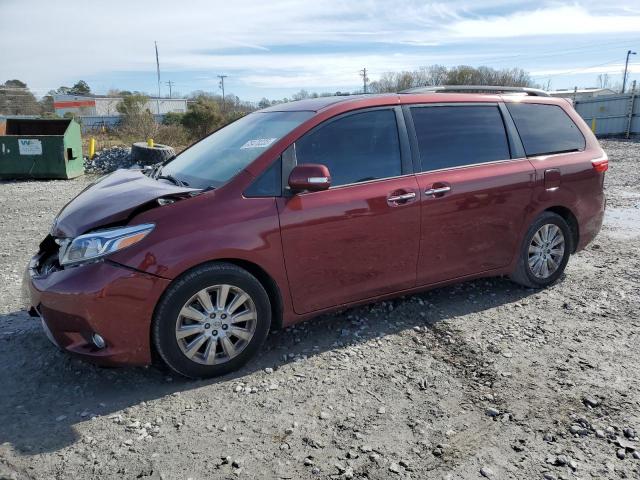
x=311, y=206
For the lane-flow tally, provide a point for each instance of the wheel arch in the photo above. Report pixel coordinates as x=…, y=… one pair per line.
x=266, y=280
x=571, y=220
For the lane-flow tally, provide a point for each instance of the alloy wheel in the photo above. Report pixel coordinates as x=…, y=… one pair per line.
x=546, y=251
x=216, y=324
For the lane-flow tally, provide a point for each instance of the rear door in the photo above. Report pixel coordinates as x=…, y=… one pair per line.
x=360, y=238
x=475, y=188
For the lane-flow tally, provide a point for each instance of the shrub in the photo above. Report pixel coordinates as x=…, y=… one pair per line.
x=175, y=136
x=137, y=122
x=172, y=118
x=202, y=117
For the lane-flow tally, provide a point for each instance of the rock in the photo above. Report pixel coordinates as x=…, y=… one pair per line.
x=549, y=476
x=600, y=433
x=629, y=432
x=382, y=411
x=486, y=472
x=626, y=444
x=268, y=370
x=108, y=160
x=324, y=415
x=315, y=470
x=492, y=412
x=636, y=455
x=621, y=454
x=590, y=401
x=578, y=430
x=561, y=460
x=394, y=467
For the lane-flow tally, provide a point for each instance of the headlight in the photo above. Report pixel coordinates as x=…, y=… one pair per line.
x=95, y=245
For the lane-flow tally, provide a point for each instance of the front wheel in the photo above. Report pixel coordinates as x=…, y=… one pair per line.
x=211, y=321
x=544, y=253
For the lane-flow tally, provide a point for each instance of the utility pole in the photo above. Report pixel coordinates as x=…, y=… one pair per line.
x=170, y=83
x=626, y=66
x=365, y=79
x=222, y=77
x=158, y=71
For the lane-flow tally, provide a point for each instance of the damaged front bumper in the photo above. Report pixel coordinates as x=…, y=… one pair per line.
x=102, y=298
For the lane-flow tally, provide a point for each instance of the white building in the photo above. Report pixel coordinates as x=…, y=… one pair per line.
x=582, y=93
x=99, y=106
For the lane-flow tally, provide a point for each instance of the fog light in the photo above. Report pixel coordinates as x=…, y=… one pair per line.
x=98, y=341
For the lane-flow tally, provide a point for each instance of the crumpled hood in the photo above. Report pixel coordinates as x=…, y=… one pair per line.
x=110, y=200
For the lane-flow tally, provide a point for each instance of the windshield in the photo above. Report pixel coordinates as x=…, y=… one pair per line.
x=214, y=160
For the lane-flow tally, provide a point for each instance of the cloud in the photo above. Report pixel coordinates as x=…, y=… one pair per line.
x=563, y=20
x=284, y=43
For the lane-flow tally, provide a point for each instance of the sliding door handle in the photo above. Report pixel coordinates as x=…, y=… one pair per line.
x=435, y=191
x=402, y=198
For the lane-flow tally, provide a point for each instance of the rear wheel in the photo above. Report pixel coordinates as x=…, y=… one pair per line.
x=545, y=252
x=211, y=321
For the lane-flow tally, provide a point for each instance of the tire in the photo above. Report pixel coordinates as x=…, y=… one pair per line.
x=535, y=276
x=142, y=154
x=242, y=338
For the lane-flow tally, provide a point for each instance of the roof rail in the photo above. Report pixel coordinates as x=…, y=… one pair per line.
x=535, y=92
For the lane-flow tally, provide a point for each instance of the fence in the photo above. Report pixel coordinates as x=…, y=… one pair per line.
x=612, y=114
x=89, y=123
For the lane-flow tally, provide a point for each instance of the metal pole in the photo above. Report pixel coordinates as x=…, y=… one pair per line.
x=363, y=73
x=626, y=66
x=222, y=77
x=158, y=71
x=632, y=102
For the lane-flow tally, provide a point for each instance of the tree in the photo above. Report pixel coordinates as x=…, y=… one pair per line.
x=604, y=81
x=459, y=75
x=132, y=105
x=264, y=103
x=301, y=95
x=80, y=88
x=17, y=99
x=203, y=116
x=137, y=121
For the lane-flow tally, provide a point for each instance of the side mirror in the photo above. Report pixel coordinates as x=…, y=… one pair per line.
x=312, y=177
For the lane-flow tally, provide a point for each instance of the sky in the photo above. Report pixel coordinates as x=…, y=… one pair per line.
x=273, y=48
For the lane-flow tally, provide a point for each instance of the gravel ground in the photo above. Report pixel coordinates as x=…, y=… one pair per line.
x=482, y=379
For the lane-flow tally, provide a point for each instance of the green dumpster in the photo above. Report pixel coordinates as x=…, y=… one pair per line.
x=34, y=148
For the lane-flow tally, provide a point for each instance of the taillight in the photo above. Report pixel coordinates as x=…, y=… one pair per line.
x=600, y=164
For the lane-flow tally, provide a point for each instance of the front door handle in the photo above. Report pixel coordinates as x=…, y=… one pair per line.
x=435, y=191
x=401, y=198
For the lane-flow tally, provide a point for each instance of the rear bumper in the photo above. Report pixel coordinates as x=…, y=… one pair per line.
x=591, y=222
x=104, y=298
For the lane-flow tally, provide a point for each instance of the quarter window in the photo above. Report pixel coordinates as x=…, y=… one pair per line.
x=545, y=129
x=454, y=136
x=356, y=148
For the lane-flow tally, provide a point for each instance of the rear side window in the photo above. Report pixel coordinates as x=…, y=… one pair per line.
x=459, y=135
x=545, y=129
x=356, y=148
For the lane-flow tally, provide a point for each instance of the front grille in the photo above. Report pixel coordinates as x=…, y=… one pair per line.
x=48, y=261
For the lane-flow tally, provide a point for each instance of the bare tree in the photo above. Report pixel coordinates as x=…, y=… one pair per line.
x=460, y=75
x=603, y=81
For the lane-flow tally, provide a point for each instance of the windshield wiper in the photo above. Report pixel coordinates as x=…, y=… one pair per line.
x=173, y=180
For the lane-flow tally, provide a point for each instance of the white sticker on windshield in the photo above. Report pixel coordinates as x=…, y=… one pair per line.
x=258, y=143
